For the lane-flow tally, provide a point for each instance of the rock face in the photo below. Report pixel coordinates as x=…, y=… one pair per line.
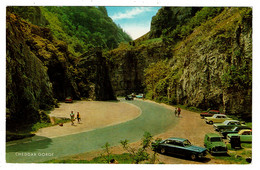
x=39, y=69
x=28, y=87
x=127, y=65
x=167, y=18
x=213, y=63
x=217, y=65
x=94, y=68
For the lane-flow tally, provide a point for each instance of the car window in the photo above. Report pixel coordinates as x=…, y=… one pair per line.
x=167, y=141
x=216, y=139
x=246, y=133
x=178, y=143
x=171, y=142
x=186, y=143
x=235, y=129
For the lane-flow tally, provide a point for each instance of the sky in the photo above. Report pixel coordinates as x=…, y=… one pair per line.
x=135, y=21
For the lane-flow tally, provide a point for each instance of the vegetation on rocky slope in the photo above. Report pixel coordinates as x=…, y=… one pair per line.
x=198, y=57
x=202, y=58
x=42, y=69
x=80, y=27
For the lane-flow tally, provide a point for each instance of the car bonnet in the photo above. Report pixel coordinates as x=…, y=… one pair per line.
x=218, y=144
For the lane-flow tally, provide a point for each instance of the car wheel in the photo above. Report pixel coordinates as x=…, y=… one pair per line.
x=210, y=122
x=202, y=117
x=163, y=150
x=193, y=157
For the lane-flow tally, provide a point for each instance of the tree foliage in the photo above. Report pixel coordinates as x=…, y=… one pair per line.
x=156, y=79
x=80, y=27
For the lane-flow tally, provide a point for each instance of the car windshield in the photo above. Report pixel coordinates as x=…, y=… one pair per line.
x=226, y=122
x=216, y=139
x=186, y=143
x=234, y=129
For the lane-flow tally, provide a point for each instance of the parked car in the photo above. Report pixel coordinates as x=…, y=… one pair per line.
x=129, y=97
x=68, y=100
x=209, y=113
x=139, y=95
x=233, y=130
x=214, y=144
x=180, y=146
x=227, y=125
x=216, y=118
x=245, y=135
x=133, y=95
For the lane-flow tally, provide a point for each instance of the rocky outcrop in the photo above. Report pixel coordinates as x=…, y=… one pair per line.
x=210, y=68
x=28, y=87
x=39, y=70
x=128, y=62
x=31, y=13
x=217, y=64
x=167, y=19
x=94, y=69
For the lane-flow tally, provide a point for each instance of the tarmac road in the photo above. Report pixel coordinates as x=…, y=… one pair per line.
x=154, y=118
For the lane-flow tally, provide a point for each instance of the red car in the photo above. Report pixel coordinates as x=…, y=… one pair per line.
x=68, y=100
x=209, y=113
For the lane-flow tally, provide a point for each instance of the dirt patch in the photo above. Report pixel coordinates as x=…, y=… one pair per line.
x=94, y=114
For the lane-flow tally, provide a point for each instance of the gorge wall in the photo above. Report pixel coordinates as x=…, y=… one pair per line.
x=209, y=68
x=204, y=62
x=40, y=70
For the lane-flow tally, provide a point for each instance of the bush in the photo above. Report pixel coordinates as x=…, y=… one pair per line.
x=141, y=153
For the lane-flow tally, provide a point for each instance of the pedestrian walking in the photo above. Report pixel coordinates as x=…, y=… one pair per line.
x=78, y=117
x=179, y=111
x=72, y=115
x=175, y=111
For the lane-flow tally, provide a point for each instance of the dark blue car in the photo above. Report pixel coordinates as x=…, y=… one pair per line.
x=180, y=146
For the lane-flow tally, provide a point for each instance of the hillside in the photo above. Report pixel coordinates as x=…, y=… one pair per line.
x=80, y=27
x=198, y=57
x=42, y=69
x=203, y=62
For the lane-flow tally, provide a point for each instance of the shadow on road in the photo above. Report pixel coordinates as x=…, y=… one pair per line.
x=29, y=144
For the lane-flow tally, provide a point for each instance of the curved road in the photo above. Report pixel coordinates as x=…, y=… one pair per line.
x=154, y=119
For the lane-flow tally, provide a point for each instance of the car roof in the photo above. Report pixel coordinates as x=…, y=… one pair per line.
x=177, y=139
x=242, y=127
x=243, y=130
x=219, y=115
x=213, y=135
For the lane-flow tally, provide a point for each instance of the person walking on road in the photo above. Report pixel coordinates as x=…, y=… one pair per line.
x=179, y=111
x=72, y=115
x=175, y=111
x=78, y=117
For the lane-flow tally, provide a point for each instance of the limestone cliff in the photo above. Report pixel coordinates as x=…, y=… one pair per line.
x=28, y=87
x=209, y=68
x=128, y=62
x=217, y=64
x=39, y=70
x=95, y=76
